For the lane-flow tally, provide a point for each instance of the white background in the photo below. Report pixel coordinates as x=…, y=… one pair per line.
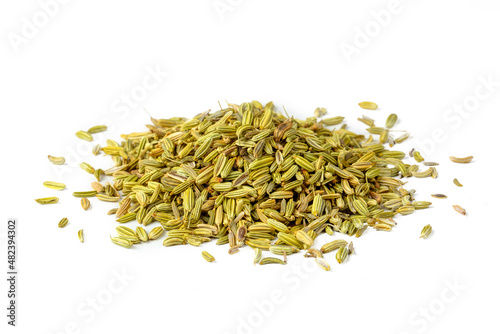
x=426, y=58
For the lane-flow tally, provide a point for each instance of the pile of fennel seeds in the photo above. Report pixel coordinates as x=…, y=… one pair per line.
x=250, y=176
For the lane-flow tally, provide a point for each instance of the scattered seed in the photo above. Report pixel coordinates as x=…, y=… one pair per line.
x=207, y=256
x=426, y=231
x=459, y=209
x=85, y=204
x=54, y=185
x=56, y=160
x=368, y=105
x=63, y=222
x=465, y=160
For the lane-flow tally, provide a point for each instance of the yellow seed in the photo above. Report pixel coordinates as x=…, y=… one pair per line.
x=141, y=233
x=97, y=129
x=426, y=231
x=341, y=254
x=207, y=256
x=80, y=235
x=47, y=200
x=155, y=233
x=54, y=185
x=271, y=260
x=332, y=245
x=121, y=242
x=63, y=223
x=258, y=255
x=322, y=263
x=391, y=120
x=368, y=105
x=465, y=160
x=457, y=183
x=56, y=160
x=84, y=135
x=85, y=204
x=86, y=167
x=459, y=209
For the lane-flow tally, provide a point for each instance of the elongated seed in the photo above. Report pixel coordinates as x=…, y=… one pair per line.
x=459, y=209
x=322, y=263
x=271, y=260
x=56, y=160
x=84, y=135
x=85, y=203
x=54, y=185
x=207, y=256
x=368, y=105
x=63, y=222
x=426, y=231
x=47, y=200
x=465, y=160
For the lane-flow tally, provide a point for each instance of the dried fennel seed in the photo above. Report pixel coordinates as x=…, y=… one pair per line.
x=459, y=209
x=465, y=160
x=85, y=203
x=54, y=185
x=426, y=231
x=63, y=222
x=80, y=235
x=47, y=200
x=247, y=175
x=368, y=105
x=207, y=256
x=56, y=160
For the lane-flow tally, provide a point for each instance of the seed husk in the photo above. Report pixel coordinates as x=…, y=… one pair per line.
x=80, y=235
x=439, y=196
x=84, y=135
x=47, y=200
x=57, y=160
x=85, y=204
x=465, y=160
x=63, y=222
x=457, y=183
x=368, y=105
x=426, y=231
x=54, y=185
x=206, y=255
x=459, y=209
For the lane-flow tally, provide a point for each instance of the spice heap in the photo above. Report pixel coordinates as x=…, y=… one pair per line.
x=247, y=175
